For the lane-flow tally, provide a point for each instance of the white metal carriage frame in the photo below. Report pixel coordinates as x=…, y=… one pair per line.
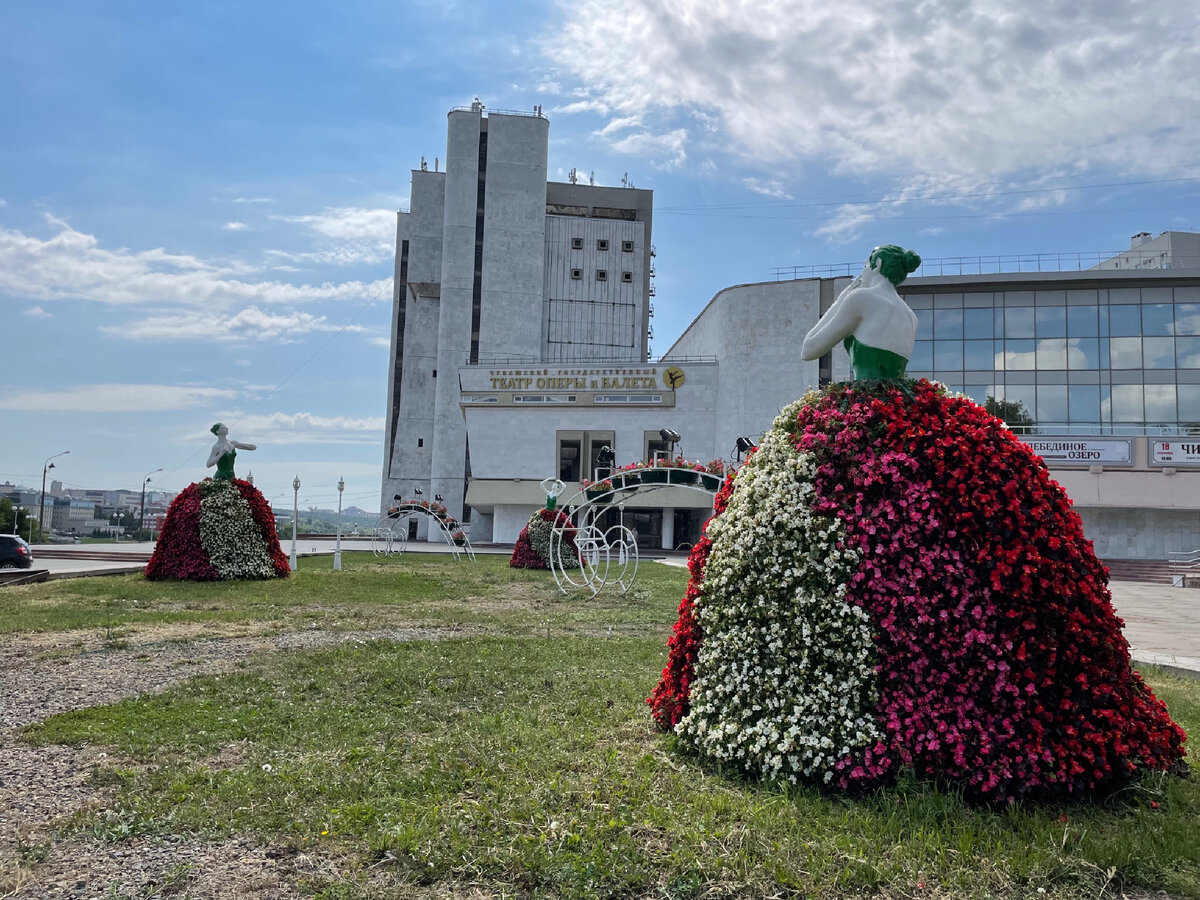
x=611, y=555
x=389, y=540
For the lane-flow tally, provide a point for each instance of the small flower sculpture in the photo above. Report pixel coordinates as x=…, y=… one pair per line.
x=893, y=582
x=532, y=550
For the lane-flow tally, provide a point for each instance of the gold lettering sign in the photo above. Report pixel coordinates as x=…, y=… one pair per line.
x=673, y=377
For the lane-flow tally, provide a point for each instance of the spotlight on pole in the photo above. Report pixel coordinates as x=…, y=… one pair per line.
x=744, y=445
x=671, y=438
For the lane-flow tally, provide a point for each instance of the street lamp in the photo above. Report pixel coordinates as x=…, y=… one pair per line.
x=295, y=516
x=46, y=466
x=337, y=552
x=142, y=514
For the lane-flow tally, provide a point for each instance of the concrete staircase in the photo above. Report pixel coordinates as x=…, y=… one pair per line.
x=1147, y=571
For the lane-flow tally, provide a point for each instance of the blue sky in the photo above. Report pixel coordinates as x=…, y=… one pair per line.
x=197, y=201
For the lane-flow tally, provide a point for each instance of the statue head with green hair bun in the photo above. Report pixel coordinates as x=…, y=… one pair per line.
x=894, y=263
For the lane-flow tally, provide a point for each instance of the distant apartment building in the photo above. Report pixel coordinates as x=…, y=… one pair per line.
x=1169, y=250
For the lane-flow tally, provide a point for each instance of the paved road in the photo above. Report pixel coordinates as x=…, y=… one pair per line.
x=1162, y=623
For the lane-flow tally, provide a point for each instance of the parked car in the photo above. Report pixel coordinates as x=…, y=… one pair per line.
x=14, y=553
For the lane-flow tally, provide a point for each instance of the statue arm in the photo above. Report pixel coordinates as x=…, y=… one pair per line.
x=215, y=456
x=239, y=445
x=838, y=323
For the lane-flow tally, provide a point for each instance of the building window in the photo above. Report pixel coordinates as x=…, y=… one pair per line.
x=576, y=243
x=627, y=246
x=420, y=442
x=576, y=274
x=602, y=274
x=579, y=451
x=602, y=244
x=435, y=373
x=627, y=277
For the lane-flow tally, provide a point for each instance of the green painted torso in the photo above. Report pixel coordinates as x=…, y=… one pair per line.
x=871, y=362
x=225, y=466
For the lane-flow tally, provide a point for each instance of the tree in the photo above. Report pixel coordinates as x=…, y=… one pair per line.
x=22, y=519
x=1012, y=412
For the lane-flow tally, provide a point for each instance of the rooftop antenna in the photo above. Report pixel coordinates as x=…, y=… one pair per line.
x=424, y=165
x=573, y=176
x=592, y=177
x=435, y=164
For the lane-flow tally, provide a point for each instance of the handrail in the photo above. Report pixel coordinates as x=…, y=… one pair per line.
x=504, y=112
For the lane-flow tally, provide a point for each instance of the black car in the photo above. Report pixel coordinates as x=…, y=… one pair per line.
x=14, y=553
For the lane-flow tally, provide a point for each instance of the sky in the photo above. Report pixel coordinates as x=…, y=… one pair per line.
x=197, y=201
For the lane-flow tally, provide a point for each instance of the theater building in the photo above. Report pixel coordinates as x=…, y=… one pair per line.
x=519, y=349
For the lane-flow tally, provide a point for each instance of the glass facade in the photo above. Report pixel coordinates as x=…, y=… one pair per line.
x=1108, y=360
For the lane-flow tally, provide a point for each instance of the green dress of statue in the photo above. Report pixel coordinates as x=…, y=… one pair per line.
x=872, y=321
x=224, y=452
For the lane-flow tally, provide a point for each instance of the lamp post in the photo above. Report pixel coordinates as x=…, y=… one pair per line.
x=337, y=551
x=142, y=513
x=46, y=466
x=295, y=516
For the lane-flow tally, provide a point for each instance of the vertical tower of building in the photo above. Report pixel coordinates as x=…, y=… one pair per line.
x=491, y=268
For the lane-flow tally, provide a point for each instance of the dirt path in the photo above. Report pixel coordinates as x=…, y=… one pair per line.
x=40, y=787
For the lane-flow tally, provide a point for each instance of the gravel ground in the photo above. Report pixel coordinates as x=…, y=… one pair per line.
x=45, y=674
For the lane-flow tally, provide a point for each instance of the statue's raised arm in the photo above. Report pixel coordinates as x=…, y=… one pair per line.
x=224, y=452
x=870, y=318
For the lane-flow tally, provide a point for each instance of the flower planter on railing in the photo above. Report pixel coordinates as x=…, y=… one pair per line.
x=654, y=476
x=710, y=481
x=599, y=495
x=684, y=476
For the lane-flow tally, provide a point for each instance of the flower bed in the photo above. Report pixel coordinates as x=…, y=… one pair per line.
x=893, y=581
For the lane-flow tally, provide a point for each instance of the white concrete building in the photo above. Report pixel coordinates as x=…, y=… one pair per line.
x=495, y=264
x=1098, y=370
x=532, y=302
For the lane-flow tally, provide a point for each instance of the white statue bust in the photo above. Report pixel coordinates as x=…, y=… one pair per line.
x=224, y=451
x=877, y=327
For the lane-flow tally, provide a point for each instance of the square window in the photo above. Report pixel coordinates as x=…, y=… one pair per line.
x=627, y=246
x=627, y=277
x=576, y=243
x=602, y=274
x=602, y=244
x=577, y=274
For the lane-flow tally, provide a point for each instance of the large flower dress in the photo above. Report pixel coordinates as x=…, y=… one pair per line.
x=218, y=529
x=894, y=582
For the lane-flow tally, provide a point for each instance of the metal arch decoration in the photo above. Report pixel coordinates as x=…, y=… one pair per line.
x=389, y=540
x=610, y=556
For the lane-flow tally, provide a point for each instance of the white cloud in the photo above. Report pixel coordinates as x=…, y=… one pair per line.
x=644, y=143
x=104, y=398
x=354, y=236
x=768, y=187
x=249, y=324
x=980, y=92
x=350, y=223
x=304, y=428
x=36, y=312
x=253, y=200
x=235, y=226
x=74, y=265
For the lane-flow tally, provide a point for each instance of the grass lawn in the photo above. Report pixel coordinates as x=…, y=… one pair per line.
x=522, y=760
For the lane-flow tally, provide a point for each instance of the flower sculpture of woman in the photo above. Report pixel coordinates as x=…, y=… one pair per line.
x=224, y=452
x=870, y=318
x=220, y=528
x=932, y=604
